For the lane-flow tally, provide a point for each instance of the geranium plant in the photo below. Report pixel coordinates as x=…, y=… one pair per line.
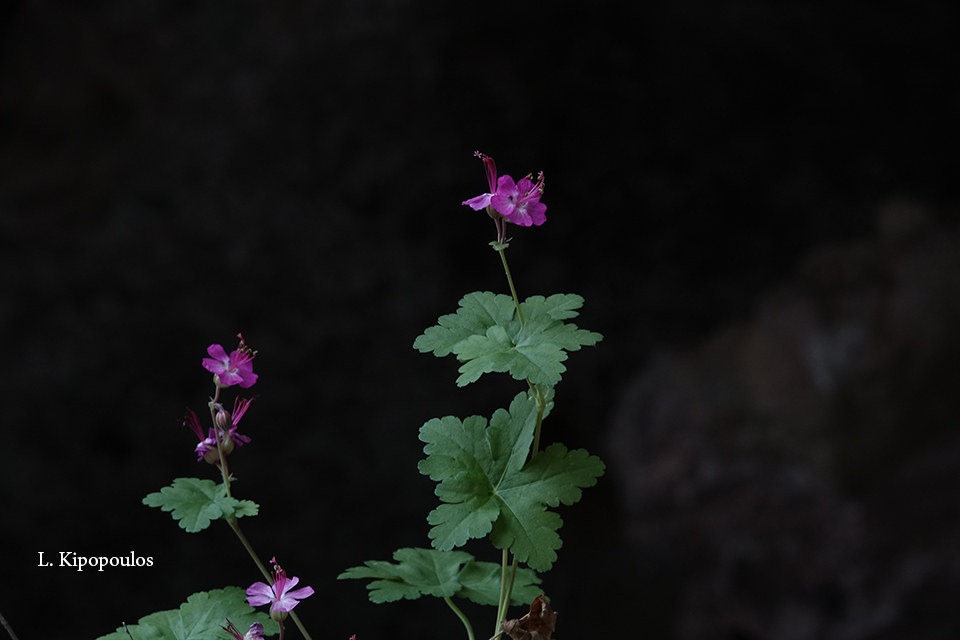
x=495, y=479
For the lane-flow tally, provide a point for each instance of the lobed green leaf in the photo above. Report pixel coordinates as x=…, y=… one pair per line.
x=486, y=485
x=195, y=503
x=442, y=574
x=486, y=335
x=199, y=618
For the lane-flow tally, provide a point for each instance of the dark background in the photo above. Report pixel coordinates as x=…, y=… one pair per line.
x=755, y=199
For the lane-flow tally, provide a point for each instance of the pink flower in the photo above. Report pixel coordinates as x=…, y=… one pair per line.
x=281, y=596
x=255, y=632
x=520, y=202
x=516, y=202
x=206, y=449
x=236, y=368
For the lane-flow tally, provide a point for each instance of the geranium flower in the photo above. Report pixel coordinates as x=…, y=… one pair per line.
x=236, y=368
x=206, y=449
x=255, y=632
x=519, y=202
x=516, y=202
x=281, y=596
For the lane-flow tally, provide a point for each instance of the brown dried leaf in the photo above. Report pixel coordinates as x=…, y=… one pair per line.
x=538, y=624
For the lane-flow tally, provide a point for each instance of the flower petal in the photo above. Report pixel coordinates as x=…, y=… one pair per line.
x=479, y=202
x=537, y=212
x=260, y=593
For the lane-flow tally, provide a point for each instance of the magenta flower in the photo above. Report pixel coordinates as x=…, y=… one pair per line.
x=516, y=202
x=281, y=596
x=255, y=632
x=520, y=202
x=236, y=368
x=206, y=449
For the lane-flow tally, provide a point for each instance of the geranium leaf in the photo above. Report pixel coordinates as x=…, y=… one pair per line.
x=199, y=618
x=418, y=572
x=195, y=503
x=486, y=335
x=478, y=312
x=486, y=486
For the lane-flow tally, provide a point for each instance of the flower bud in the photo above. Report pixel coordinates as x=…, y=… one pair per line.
x=221, y=417
x=227, y=443
x=210, y=453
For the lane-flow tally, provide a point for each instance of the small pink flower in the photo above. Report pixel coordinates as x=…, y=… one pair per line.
x=520, y=202
x=255, y=632
x=516, y=202
x=236, y=368
x=206, y=449
x=281, y=596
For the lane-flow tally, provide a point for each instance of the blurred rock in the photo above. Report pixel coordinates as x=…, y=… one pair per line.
x=797, y=470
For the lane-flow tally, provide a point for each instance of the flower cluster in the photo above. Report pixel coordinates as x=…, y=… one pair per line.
x=228, y=370
x=220, y=440
x=226, y=429
x=517, y=202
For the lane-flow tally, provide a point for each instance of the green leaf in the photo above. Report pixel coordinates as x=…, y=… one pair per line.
x=195, y=503
x=199, y=618
x=441, y=574
x=486, y=335
x=480, y=583
x=478, y=312
x=486, y=486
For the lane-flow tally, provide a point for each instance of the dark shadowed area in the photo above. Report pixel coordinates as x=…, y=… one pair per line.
x=757, y=201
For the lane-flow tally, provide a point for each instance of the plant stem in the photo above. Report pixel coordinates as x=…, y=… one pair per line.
x=296, y=621
x=502, y=250
x=6, y=625
x=224, y=470
x=263, y=569
x=506, y=590
x=541, y=406
x=513, y=577
x=501, y=605
x=246, y=545
x=506, y=585
x=463, y=618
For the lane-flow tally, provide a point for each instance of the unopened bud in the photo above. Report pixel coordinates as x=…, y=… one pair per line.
x=226, y=443
x=212, y=456
x=221, y=417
